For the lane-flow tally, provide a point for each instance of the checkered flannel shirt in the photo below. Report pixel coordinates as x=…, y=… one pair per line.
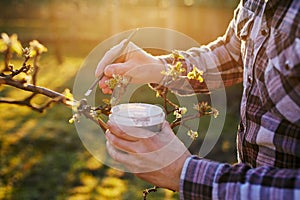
x=261, y=47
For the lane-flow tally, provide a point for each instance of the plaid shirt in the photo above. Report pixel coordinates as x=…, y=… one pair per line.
x=261, y=48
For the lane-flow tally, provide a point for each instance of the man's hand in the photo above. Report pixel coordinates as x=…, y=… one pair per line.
x=135, y=63
x=157, y=158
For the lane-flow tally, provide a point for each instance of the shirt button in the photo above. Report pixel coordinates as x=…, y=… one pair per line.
x=287, y=65
x=250, y=79
x=264, y=32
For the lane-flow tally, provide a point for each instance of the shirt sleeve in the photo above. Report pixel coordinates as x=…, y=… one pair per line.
x=204, y=179
x=220, y=62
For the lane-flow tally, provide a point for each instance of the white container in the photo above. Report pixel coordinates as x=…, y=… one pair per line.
x=139, y=115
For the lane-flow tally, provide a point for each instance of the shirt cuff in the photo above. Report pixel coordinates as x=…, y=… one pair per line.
x=197, y=178
x=182, y=175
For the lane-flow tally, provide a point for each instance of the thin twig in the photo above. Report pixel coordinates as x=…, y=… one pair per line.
x=185, y=118
x=35, y=68
x=149, y=190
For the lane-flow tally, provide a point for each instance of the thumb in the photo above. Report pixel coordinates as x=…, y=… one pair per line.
x=109, y=57
x=166, y=128
x=166, y=125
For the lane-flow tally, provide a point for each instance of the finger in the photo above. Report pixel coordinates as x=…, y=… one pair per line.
x=102, y=82
x=104, y=87
x=119, y=131
x=106, y=90
x=109, y=57
x=129, y=132
x=167, y=128
x=116, y=154
x=126, y=61
x=133, y=162
x=116, y=68
x=121, y=144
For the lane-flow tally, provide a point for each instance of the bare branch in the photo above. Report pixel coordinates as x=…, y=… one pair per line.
x=32, y=88
x=26, y=102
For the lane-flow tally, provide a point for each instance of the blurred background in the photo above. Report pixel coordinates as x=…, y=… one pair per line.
x=41, y=155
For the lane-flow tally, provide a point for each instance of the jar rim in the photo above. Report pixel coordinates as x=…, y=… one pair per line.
x=143, y=118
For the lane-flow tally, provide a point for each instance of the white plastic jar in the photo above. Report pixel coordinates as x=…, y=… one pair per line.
x=140, y=115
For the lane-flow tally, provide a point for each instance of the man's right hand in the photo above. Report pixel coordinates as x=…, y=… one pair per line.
x=140, y=66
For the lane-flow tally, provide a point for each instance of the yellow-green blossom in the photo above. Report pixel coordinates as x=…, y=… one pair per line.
x=193, y=134
x=196, y=74
x=10, y=43
x=179, y=112
x=116, y=80
x=36, y=48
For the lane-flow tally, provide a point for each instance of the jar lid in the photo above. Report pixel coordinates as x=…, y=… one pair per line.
x=137, y=114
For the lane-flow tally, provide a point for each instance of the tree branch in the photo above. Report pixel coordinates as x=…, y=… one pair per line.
x=27, y=103
x=177, y=122
x=32, y=88
x=149, y=190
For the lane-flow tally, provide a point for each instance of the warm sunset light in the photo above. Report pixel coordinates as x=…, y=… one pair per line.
x=41, y=154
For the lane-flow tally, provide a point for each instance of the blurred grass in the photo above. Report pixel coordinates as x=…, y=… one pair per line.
x=41, y=155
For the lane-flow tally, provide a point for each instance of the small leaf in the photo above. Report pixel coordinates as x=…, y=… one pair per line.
x=5, y=38
x=36, y=48
x=16, y=45
x=70, y=100
x=75, y=118
x=68, y=94
x=193, y=134
x=3, y=46
x=182, y=110
x=12, y=43
x=32, y=53
x=71, y=121
x=179, y=112
x=106, y=101
x=196, y=74
x=116, y=80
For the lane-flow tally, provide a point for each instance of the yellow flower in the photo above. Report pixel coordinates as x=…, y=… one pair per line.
x=11, y=43
x=193, y=134
x=196, y=74
x=36, y=48
x=174, y=71
x=177, y=56
x=179, y=112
